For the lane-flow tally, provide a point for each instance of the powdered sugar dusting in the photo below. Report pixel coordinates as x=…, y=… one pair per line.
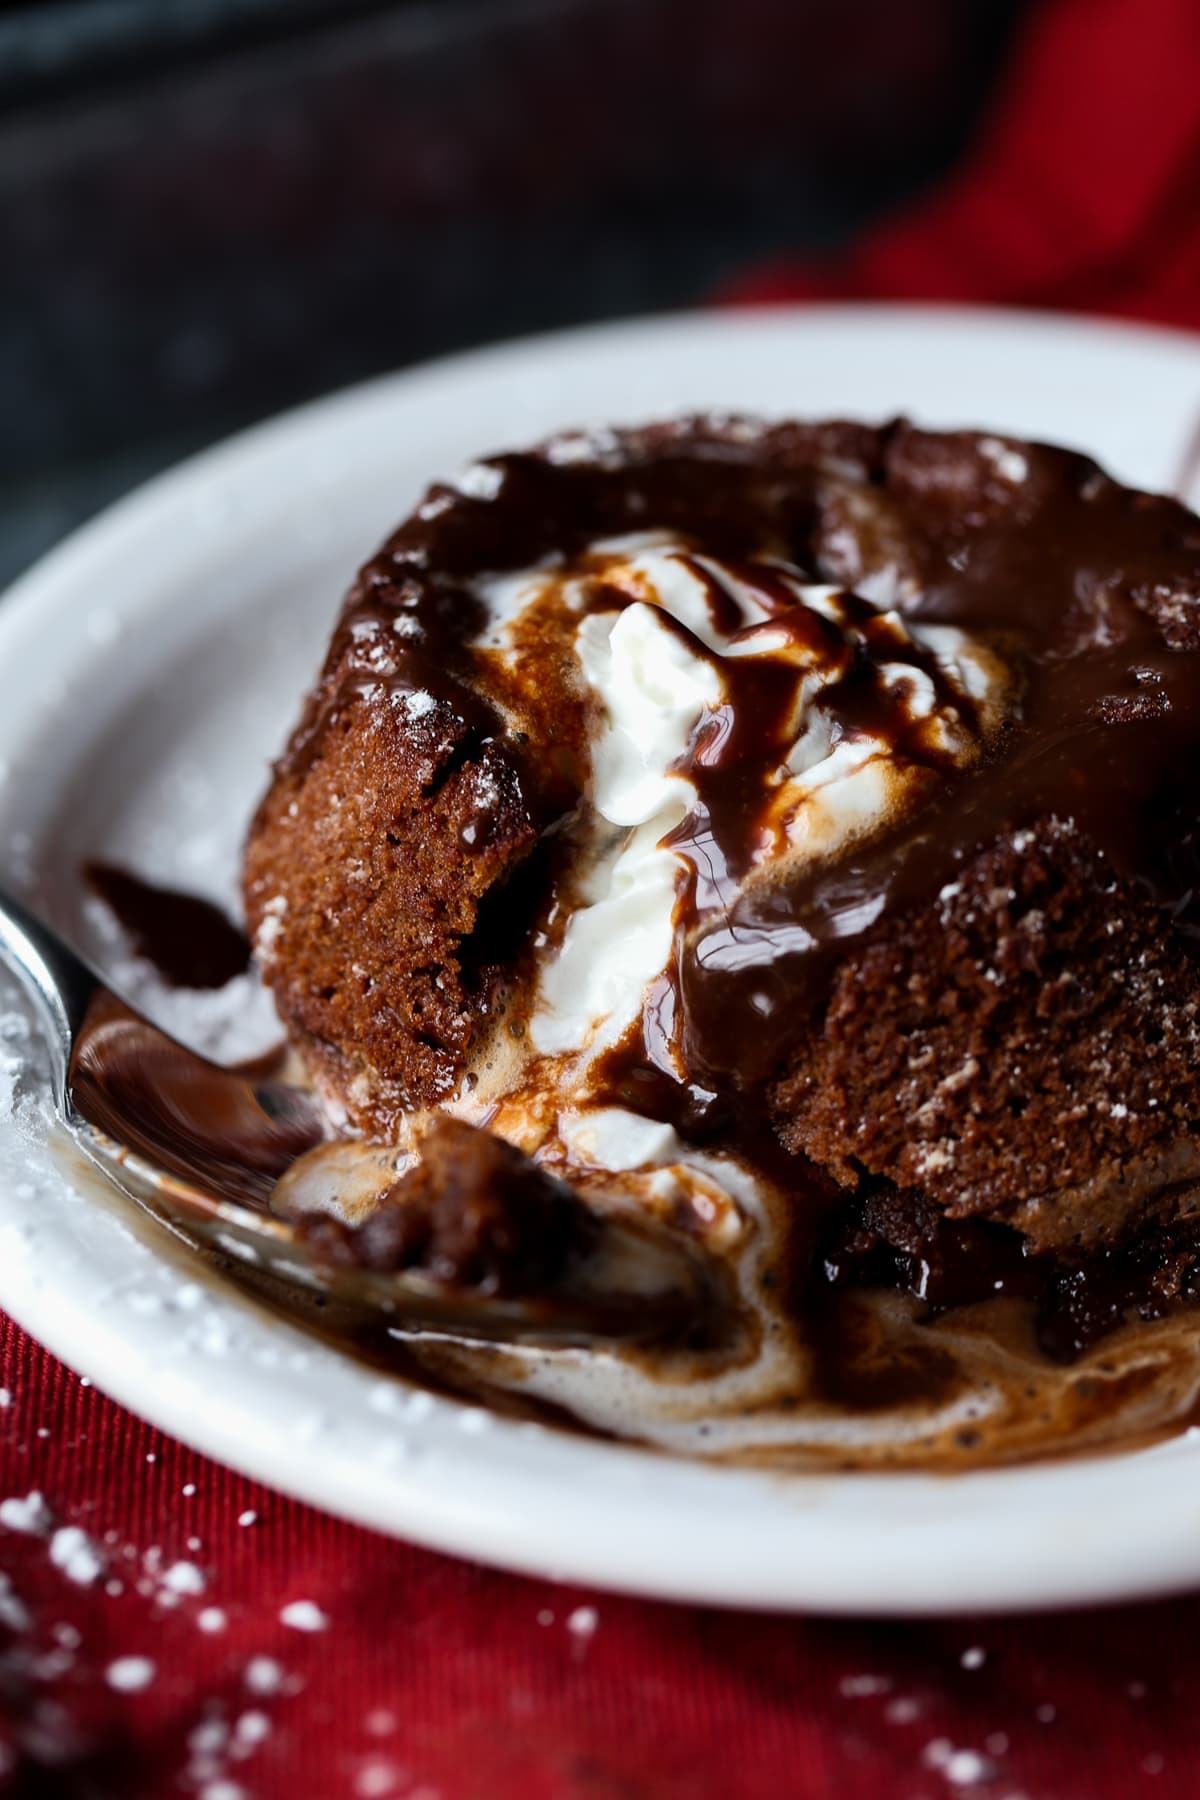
x=263, y=1675
x=1006, y=459
x=74, y=1552
x=303, y=1615
x=481, y=481
x=377, y=1779
x=184, y=1578
x=13, y=1611
x=961, y=1768
x=251, y=1728
x=130, y=1674
x=30, y=1514
x=15, y=1034
x=862, y=1687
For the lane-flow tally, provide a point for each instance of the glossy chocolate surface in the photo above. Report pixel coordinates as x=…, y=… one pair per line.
x=188, y=942
x=1092, y=595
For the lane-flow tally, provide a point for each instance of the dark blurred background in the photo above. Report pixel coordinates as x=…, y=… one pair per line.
x=214, y=208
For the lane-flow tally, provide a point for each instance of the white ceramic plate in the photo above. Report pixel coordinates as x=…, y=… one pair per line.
x=148, y=669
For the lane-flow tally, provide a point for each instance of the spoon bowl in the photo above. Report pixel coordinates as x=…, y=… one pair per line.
x=205, y=1148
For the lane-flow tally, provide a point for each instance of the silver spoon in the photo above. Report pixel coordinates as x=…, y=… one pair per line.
x=204, y=1147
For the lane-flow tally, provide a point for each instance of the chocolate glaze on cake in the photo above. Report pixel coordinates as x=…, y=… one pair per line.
x=984, y=1012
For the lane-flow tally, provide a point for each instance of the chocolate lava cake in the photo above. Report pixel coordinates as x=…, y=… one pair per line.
x=934, y=916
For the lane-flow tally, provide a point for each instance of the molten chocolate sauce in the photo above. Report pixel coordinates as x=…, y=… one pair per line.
x=1089, y=593
x=188, y=942
x=1107, y=734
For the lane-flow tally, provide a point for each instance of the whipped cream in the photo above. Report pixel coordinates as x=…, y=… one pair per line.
x=654, y=692
x=663, y=671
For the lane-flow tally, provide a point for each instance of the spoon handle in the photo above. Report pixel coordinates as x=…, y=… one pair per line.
x=58, y=982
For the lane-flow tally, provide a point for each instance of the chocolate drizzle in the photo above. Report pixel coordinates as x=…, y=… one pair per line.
x=1107, y=734
x=739, y=743
x=1089, y=591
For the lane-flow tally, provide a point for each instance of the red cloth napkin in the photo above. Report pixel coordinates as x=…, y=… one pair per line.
x=1082, y=190
x=193, y=1633
x=149, y=1653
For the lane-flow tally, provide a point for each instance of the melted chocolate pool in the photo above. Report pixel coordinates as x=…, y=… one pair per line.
x=188, y=942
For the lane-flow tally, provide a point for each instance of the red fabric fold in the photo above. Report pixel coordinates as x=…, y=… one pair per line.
x=1082, y=190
